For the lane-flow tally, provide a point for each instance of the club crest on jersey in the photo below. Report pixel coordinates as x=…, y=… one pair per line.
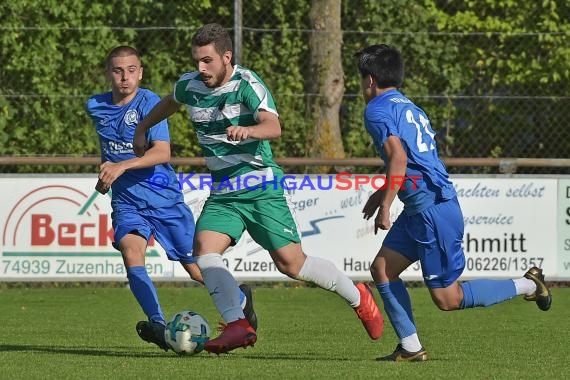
x=131, y=117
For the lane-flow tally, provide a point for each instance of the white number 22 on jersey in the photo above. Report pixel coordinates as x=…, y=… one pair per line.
x=423, y=129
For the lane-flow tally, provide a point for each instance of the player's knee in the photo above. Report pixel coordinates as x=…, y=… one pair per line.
x=288, y=269
x=381, y=273
x=378, y=271
x=375, y=268
x=448, y=303
x=132, y=256
x=210, y=241
x=289, y=261
x=444, y=306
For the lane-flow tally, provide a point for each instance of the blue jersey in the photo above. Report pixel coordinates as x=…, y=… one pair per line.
x=427, y=181
x=155, y=186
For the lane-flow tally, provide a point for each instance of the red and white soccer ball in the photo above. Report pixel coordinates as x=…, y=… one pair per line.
x=187, y=332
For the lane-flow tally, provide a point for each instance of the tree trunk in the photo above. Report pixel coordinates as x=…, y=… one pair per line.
x=326, y=80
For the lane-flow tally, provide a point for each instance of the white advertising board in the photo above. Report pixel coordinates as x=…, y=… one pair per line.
x=563, y=212
x=59, y=228
x=510, y=225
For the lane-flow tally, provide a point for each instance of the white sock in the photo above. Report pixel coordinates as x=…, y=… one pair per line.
x=325, y=274
x=524, y=286
x=221, y=285
x=411, y=343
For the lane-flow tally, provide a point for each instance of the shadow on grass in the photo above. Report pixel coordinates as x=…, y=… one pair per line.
x=127, y=352
x=86, y=351
x=295, y=357
x=326, y=358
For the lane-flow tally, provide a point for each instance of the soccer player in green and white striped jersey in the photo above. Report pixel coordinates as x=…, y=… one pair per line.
x=237, y=105
x=234, y=116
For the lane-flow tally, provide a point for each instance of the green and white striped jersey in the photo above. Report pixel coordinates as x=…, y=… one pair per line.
x=212, y=110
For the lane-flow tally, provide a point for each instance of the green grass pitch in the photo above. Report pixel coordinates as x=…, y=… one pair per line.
x=304, y=333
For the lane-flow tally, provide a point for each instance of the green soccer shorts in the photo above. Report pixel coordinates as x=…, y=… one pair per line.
x=266, y=215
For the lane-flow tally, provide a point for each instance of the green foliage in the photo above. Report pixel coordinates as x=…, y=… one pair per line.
x=525, y=61
x=52, y=52
x=432, y=64
x=280, y=59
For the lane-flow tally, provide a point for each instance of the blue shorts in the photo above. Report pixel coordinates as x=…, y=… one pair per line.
x=172, y=227
x=434, y=237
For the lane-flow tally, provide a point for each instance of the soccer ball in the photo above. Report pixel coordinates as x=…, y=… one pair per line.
x=187, y=332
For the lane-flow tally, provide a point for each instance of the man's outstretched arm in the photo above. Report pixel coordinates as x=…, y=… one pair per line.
x=164, y=109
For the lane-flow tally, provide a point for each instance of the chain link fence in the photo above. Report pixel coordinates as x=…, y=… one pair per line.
x=500, y=92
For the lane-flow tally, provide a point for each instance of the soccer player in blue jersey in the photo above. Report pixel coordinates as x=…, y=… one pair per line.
x=145, y=198
x=234, y=115
x=430, y=228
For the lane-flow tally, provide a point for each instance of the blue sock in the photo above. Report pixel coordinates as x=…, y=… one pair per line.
x=486, y=292
x=144, y=291
x=242, y=299
x=396, y=312
x=399, y=291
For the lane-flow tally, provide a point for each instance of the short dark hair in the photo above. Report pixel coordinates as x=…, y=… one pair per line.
x=213, y=34
x=384, y=63
x=121, y=51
